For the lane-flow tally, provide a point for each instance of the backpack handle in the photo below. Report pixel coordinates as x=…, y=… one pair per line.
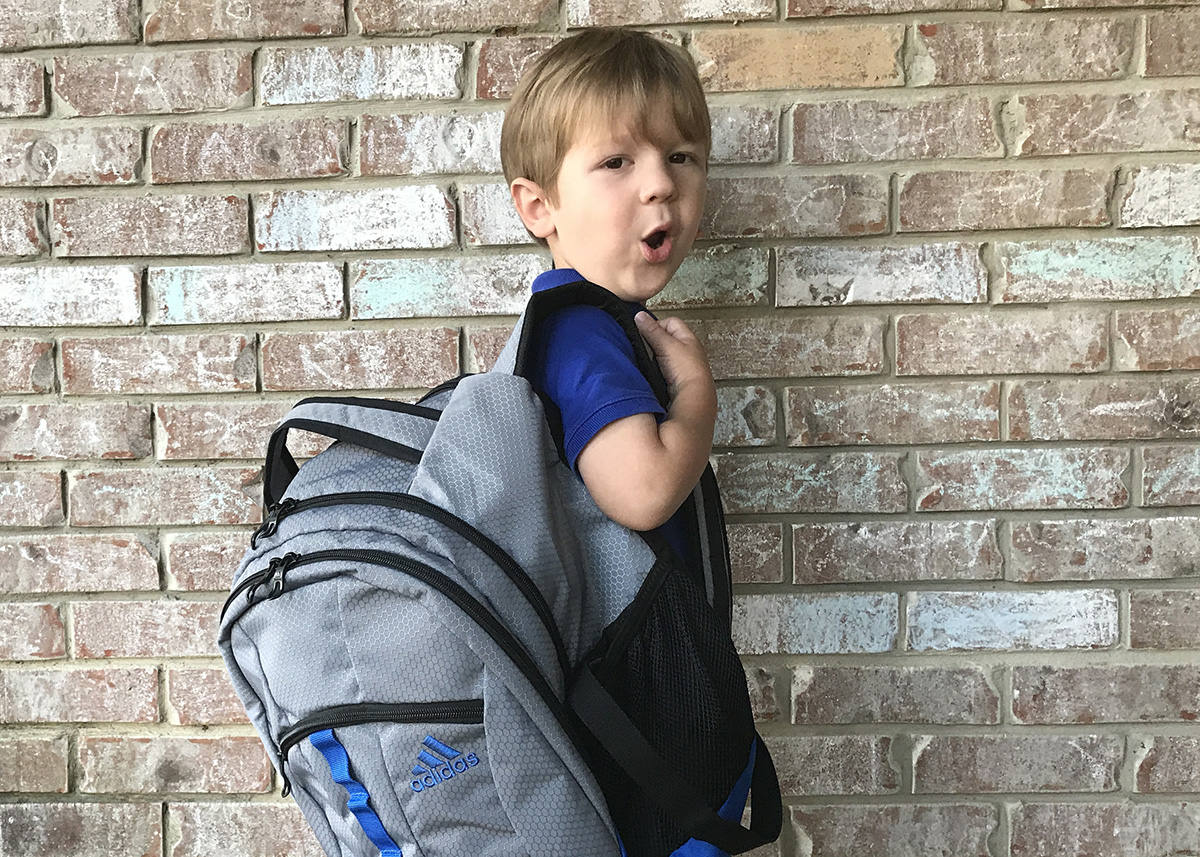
x=660, y=783
x=354, y=420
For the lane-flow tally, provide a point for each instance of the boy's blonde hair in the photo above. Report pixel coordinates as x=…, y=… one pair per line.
x=597, y=75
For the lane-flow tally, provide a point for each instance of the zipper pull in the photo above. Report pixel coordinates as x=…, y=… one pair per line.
x=271, y=523
x=273, y=577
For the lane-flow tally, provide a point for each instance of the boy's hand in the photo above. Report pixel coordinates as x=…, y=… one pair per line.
x=680, y=355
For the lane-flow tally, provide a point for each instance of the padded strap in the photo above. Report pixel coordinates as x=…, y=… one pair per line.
x=394, y=429
x=357, y=799
x=663, y=785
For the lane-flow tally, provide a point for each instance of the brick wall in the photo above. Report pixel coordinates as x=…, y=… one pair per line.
x=946, y=280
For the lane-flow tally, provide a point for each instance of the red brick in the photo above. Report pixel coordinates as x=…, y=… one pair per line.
x=33, y=764
x=1002, y=343
x=970, y=764
x=795, y=207
x=1170, y=766
x=1069, y=124
x=823, y=624
x=502, y=61
x=360, y=359
x=484, y=345
x=413, y=288
x=1154, y=340
x=1170, y=476
x=488, y=216
x=130, y=83
x=1173, y=44
x=145, y=629
x=1106, y=694
x=26, y=366
x=893, y=413
x=79, y=696
x=1099, y=409
x=1104, y=549
x=1069, y=478
x=938, y=830
x=719, y=275
x=1160, y=195
x=411, y=16
x=1024, y=49
x=72, y=563
x=764, y=697
x=1006, y=620
x=413, y=217
x=22, y=227
x=165, y=496
x=203, y=697
x=22, y=86
x=808, y=58
x=30, y=499
x=242, y=151
x=218, y=429
x=192, y=363
x=839, y=132
x=745, y=417
x=832, y=694
x=225, y=294
x=429, y=143
x=82, y=830
x=30, y=632
x=876, y=551
x=1106, y=269
x=151, y=226
x=834, y=765
x=788, y=347
x=1164, y=619
x=242, y=830
x=1104, y=829
x=164, y=764
x=40, y=23
x=610, y=13
x=806, y=482
x=69, y=156
x=197, y=20
x=756, y=552
x=744, y=134
x=56, y=432
x=1004, y=199
x=360, y=73
x=204, y=561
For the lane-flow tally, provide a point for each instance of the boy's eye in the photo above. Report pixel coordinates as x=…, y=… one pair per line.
x=681, y=157
x=614, y=163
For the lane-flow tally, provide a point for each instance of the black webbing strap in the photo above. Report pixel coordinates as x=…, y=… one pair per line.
x=661, y=784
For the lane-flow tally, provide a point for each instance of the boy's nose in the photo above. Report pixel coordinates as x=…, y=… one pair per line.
x=657, y=183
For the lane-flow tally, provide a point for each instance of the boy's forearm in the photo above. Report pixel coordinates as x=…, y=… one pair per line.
x=687, y=432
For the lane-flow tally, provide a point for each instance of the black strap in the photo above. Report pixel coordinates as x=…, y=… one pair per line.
x=281, y=467
x=660, y=782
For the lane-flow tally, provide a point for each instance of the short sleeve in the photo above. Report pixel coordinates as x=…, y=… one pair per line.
x=586, y=366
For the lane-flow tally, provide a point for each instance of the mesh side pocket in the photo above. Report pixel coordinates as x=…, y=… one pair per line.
x=680, y=682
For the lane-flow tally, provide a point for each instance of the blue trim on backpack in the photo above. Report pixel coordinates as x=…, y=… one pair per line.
x=357, y=800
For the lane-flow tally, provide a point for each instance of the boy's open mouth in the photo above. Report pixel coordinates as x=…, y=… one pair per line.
x=656, y=239
x=656, y=246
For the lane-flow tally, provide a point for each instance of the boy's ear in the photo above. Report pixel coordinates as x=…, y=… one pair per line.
x=533, y=207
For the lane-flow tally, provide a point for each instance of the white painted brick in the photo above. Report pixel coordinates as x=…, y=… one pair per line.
x=22, y=227
x=69, y=156
x=596, y=13
x=379, y=219
x=64, y=296
x=360, y=73
x=745, y=417
x=1060, y=619
x=744, y=135
x=425, y=143
x=1114, y=269
x=722, y=275
x=826, y=275
x=815, y=624
x=470, y=285
x=1162, y=195
x=489, y=217
x=213, y=294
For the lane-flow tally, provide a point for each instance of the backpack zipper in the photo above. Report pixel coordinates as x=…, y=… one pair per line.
x=357, y=714
x=420, y=506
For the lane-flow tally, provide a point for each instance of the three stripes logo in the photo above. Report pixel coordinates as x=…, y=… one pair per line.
x=436, y=771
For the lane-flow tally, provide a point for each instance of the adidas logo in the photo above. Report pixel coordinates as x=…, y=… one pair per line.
x=437, y=771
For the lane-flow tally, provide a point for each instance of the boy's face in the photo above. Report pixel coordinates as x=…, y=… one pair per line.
x=628, y=204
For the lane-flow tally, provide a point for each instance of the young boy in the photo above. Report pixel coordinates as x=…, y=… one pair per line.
x=605, y=147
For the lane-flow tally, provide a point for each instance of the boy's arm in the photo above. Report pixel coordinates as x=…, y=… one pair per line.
x=638, y=470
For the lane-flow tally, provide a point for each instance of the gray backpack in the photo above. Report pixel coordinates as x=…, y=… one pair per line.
x=448, y=650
